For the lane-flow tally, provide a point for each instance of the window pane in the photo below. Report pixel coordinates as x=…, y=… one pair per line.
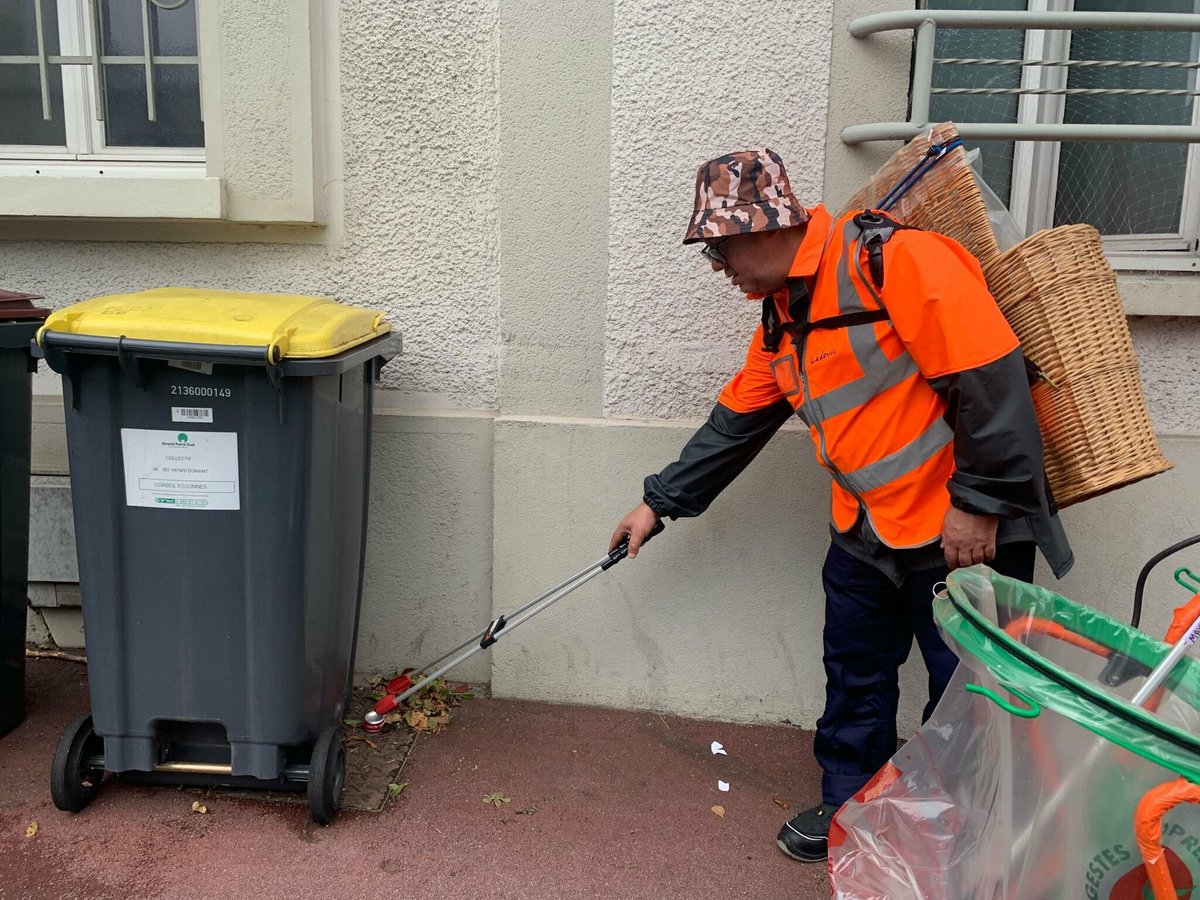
x=176, y=87
x=1127, y=188
x=21, y=119
x=172, y=31
x=176, y=98
x=18, y=28
x=979, y=44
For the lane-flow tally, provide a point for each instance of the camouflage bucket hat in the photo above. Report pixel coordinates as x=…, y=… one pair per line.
x=743, y=192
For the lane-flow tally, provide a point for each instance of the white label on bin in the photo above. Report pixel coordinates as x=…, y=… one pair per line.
x=181, y=469
x=191, y=414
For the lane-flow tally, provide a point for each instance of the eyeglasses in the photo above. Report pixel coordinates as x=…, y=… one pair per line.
x=713, y=251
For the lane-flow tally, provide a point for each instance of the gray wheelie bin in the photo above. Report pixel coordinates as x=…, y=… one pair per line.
x=19, y=321
x=219, y=446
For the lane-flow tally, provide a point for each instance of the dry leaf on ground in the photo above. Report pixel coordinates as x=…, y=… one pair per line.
x=199, y=807
x=416, y=719
x=782, y=804
x=32, y=829
x=719, y=810
x=428, y=710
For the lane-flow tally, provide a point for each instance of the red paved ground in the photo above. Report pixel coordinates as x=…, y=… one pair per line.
x=623, y=810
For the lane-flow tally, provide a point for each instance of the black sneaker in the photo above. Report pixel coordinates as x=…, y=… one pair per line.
x=806, y=836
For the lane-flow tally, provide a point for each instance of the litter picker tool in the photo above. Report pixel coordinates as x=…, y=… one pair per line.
x=404, y=686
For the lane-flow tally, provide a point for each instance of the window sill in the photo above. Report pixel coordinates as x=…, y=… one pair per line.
x=1148, y=261
x=112, y=196
x=1145, y=294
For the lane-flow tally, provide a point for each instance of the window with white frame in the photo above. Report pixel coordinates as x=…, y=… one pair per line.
x=113, y=82
x=1144, y=198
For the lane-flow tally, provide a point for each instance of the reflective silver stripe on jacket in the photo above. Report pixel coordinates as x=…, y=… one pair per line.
x=854, y=394
x=879, y=374
x=920, y=450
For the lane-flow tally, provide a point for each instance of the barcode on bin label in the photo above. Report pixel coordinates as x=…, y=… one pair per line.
x=191, y=414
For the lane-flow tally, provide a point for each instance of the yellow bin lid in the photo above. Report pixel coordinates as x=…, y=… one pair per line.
x=297, y=326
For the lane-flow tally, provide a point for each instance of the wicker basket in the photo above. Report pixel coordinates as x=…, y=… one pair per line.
x=1059, y=293
x=945, y=200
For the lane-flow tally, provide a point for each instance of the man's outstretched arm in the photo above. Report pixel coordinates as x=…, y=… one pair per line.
x=716, y=454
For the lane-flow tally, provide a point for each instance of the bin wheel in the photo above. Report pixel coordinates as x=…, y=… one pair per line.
x=326, y=776
x=72, y=783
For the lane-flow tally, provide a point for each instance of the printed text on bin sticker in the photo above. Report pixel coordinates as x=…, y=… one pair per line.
x=181, y=469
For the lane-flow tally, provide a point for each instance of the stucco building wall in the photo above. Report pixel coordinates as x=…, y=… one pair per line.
x=510, y=182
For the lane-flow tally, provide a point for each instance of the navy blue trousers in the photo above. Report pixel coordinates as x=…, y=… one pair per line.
x=869, y=629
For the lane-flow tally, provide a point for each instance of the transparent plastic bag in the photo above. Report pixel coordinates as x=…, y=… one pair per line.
x=1004, y=225
x=988, y=803
x=944, y=199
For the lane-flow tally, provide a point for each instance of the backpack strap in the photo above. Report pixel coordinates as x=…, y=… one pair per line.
x=773, y=330
x=843, y=321
x=877, y=229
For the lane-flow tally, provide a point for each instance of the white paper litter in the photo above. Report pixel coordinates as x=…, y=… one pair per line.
x=722, y=785
x=717, y=748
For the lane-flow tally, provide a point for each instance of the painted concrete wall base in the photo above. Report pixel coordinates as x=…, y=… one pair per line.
x=55, y=615
x=720, y=616
x=429, y=565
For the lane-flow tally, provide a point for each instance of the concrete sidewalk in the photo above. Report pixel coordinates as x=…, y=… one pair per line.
x=603, y=804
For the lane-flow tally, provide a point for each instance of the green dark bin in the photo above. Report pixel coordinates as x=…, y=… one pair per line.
x=19, y=322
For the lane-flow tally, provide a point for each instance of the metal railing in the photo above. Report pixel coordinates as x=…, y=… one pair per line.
x=96, y=60
x=926, y=23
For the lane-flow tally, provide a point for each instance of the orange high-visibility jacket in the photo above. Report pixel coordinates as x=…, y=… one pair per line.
x=864, y=390
x=915, y=393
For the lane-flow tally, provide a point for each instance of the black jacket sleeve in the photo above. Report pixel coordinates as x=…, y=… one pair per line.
x=716, y=454
x=997, y=444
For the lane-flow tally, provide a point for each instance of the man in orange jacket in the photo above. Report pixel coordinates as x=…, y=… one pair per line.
x=886, y=343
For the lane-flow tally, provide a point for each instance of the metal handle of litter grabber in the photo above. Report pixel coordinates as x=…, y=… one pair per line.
x=487, y=637
x=621, y=551
x=374, y=719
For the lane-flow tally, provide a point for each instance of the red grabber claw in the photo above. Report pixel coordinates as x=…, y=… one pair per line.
x=400, y=683
x=373, y=721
